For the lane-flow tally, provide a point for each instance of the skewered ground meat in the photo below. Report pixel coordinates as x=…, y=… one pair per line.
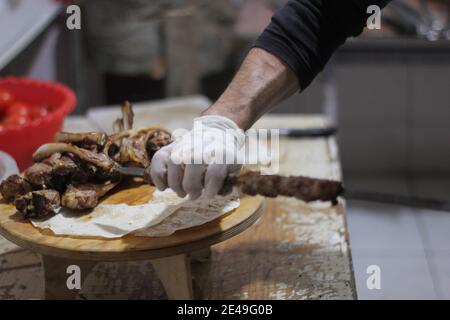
x=38, y=203
x=303, y=188
x=14, y=186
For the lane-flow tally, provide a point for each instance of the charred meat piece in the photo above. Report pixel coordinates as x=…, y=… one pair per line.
x=55, y=172
x=79, y=198
x=136, y=148
x=85, y=196
x=82, y=139
x=157, y=140
x=65, y=166
x=39, y=174
x=38, y=203
x=99, y=160
x=133, y=150
x=14, y=186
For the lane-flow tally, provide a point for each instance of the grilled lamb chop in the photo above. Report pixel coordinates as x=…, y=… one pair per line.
x=85, y=196
x=14, y=186
x=38, y=203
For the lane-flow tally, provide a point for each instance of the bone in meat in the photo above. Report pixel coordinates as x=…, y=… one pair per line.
x=85, y=196
x=126, y=122
x=14, y=186
x=140, y=147
x=98, y=159
x=111, y=143
x=82, y=138
x=38, y=203
x=133, y=150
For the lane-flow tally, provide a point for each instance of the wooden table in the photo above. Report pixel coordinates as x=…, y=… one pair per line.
x=295, y=251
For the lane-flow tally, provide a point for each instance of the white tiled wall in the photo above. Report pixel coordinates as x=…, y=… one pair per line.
x=411, y=246
x=394, y=113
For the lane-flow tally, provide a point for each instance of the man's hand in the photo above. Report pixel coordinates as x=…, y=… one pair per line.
x=200, y=159
x=197, y=159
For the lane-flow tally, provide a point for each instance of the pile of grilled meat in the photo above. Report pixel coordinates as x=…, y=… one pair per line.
x=79, y=168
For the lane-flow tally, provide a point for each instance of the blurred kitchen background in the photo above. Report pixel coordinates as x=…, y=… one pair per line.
x=388, y=92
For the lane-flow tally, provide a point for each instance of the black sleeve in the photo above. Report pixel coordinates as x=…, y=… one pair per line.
x=305, y=33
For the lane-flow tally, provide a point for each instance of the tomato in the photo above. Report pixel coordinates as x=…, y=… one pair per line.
x=18, y=107
x=17, y=113
x=39, y=111
x=15, y=119
x=6, y=98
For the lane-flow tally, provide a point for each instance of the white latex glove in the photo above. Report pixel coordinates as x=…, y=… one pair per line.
x=199, y=159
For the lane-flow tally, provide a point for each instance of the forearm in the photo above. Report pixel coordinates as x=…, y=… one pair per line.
x=261, y=83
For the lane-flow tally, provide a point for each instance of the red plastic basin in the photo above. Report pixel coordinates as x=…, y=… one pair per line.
x=21, y=141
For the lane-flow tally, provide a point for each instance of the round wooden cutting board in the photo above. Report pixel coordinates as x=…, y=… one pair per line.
x=20, y=231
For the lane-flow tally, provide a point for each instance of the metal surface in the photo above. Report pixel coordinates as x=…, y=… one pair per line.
x=131, y=171
x=401, y=200
x=307, y=133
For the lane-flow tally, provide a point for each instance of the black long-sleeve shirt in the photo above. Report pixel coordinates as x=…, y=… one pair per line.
x=305, y=33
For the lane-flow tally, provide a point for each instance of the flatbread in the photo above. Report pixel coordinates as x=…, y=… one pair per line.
x=118, y=220
x=190, y=214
